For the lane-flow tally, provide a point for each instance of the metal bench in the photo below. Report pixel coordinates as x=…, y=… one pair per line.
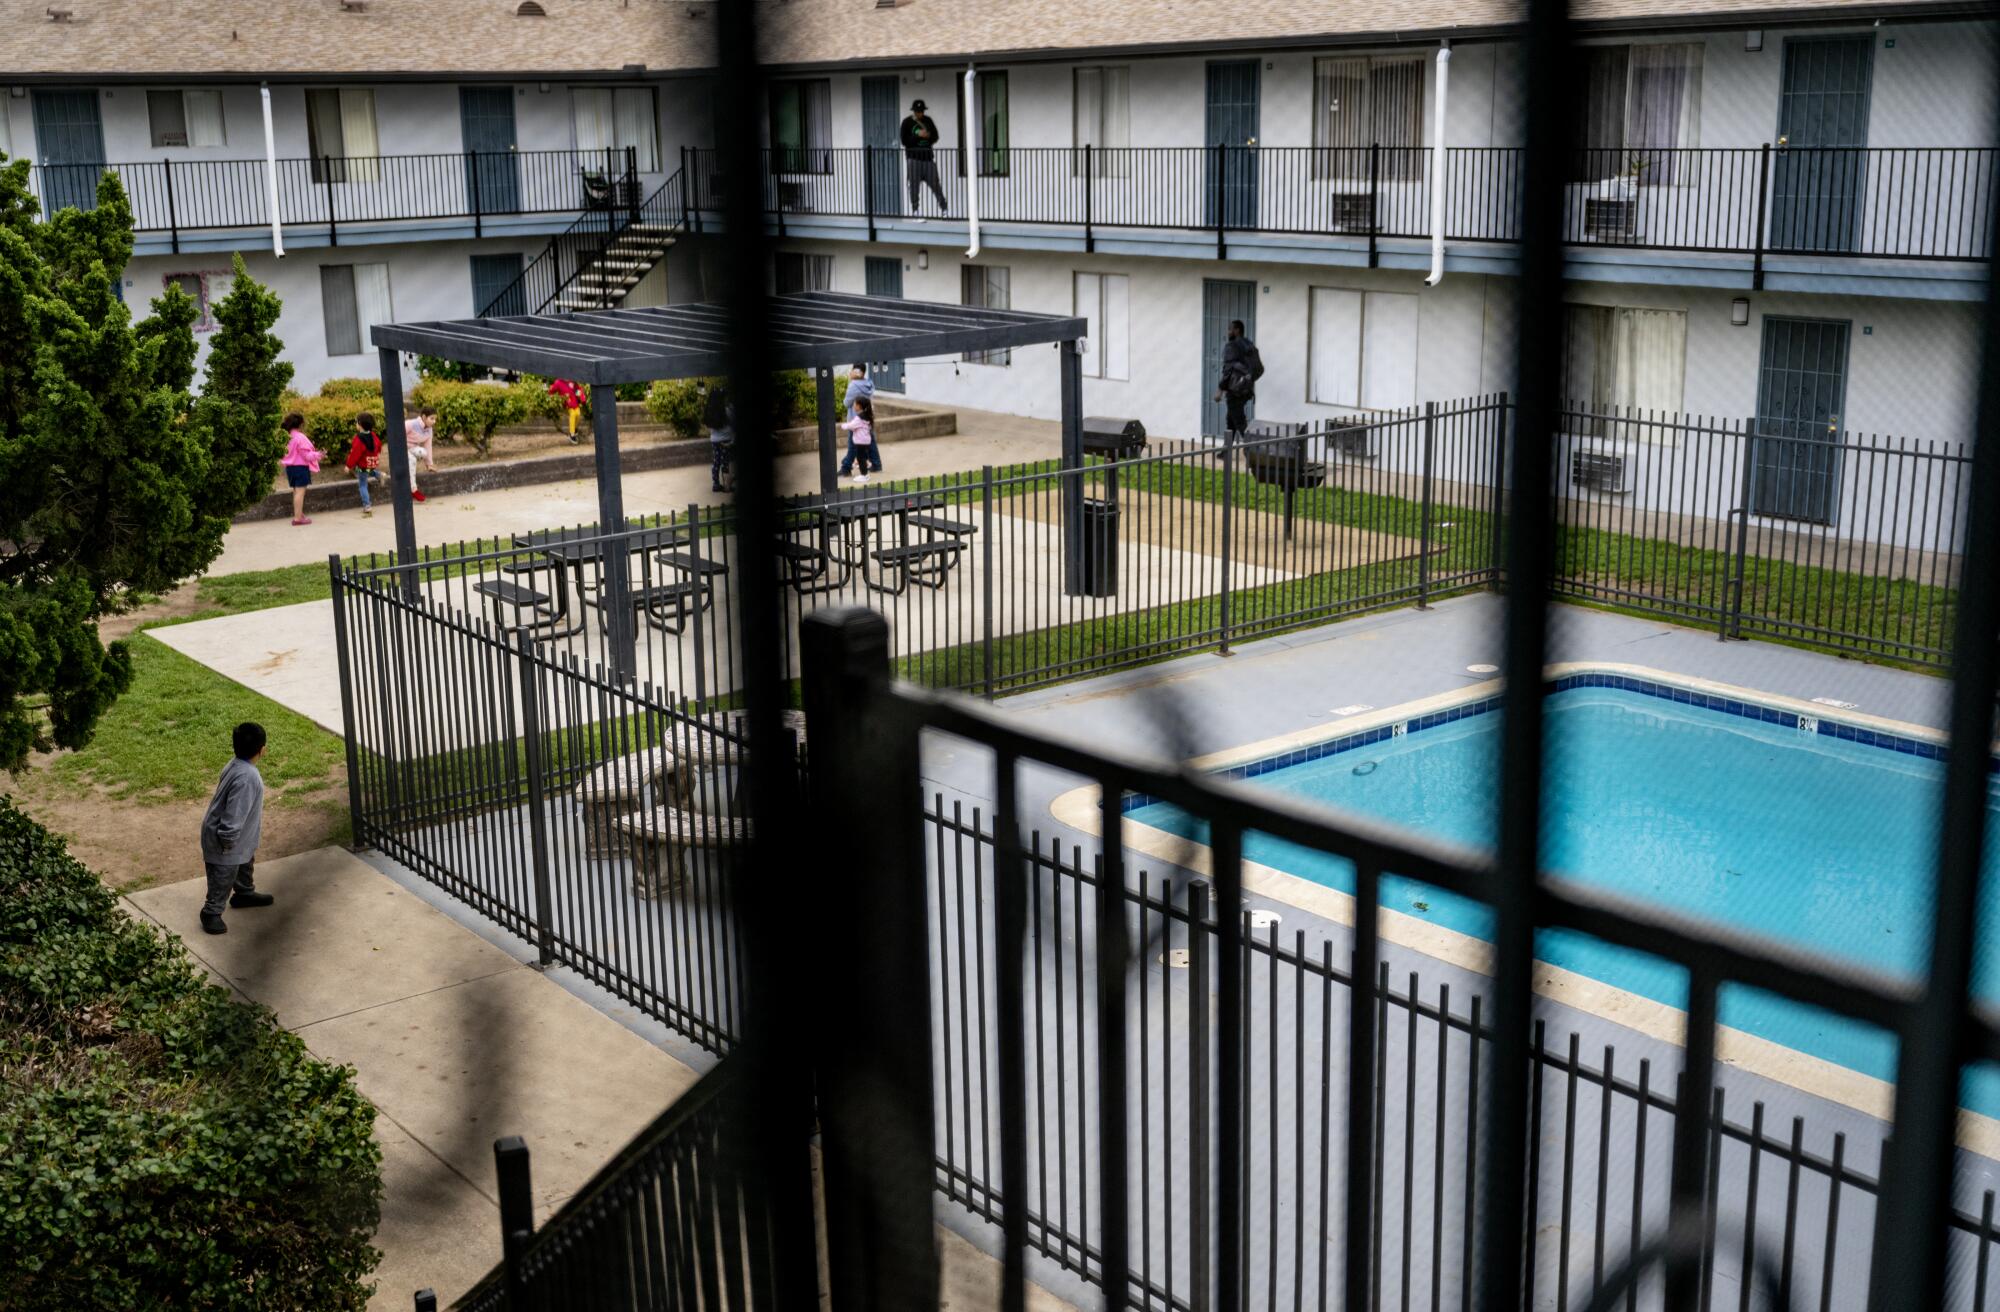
x=546, y=612
x=666, y=604
x=952, y=528
x=811, y=568
x=923, y=563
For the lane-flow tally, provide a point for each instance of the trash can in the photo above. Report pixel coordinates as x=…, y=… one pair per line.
x=1100, y=548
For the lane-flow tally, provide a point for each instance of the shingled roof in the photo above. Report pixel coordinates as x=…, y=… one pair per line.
x=489, y=38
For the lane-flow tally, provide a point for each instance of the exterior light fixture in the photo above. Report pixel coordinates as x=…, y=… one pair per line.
x=1739, y=311
x=923, y=259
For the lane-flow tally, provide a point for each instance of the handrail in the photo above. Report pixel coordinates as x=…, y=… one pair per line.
x=583, y=244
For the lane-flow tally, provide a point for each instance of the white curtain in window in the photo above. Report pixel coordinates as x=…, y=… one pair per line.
x=593, y=115
x=1334, y=369
x=371, y=299
x=1388, y=350
x=1358, y=103
x=204, y=118
x=1650, y=349
x=819, y=273
x=1104, y=118
x=357, y=134
x=632, y=109
x=1663, y=110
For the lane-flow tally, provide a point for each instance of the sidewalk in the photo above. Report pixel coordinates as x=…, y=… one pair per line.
x=984, y=438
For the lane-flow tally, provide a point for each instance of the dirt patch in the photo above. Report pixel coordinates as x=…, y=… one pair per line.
x=182, y=602
x=135, y=843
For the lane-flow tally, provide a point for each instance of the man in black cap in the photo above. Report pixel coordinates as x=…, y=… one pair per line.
x=919, y=136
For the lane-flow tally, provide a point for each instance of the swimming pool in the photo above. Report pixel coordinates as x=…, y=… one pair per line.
x=1806, y=830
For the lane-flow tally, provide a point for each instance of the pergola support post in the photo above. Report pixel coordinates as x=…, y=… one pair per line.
x=1071, y=477
x=823, y=381
x=614, y=563
x=399, y=469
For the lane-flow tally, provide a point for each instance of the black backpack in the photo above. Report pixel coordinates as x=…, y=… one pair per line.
x=1238, y=384
x=716, y=413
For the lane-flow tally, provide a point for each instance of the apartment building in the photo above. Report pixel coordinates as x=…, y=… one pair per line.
x=372, y=159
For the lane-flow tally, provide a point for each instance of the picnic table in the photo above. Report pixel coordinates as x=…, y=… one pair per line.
x=831, y=535
x=666, y=603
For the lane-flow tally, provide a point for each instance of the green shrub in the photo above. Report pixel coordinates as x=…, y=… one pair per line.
x=532, y=394
x=679, y=404
x=471, y=410
x=162, y=1144
x=450, y=371
x=330, y=421
x=358, y=390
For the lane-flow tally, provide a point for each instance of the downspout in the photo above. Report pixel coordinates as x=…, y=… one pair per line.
x=271, y=175
x=972, y=164
x=1437, y=168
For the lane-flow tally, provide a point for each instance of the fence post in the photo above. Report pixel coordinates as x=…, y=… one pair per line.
x=1089, y=207
x=986, y=574
x=1374, y=200
x=1500, y=404
x=1763, y=198
x=538, y=820
x=1221, y=203
x=633, y=199
x=1732, y=622
x=332, y=222
x=695, y=602
x=345, y=662
x=1228, y=524
x=517, y=1215
x=1200, y=1190
x=427, y=1300
x=868, y=185
x=1424, y=527
x=690, y=217
x=478, y=218
x=173, y=220
x=878, y=1144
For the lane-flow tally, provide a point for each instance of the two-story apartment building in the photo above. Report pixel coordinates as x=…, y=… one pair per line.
x=371, y=159
x=1779, y=211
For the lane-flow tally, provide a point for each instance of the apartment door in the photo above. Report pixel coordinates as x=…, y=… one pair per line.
x=487, y=116
x=1232, y=124
x=1221, y=301
x=69, y=142
x=1801, y=390
x=881, y=120
x=496, y=285
x=885, y=278
x=1817, y=178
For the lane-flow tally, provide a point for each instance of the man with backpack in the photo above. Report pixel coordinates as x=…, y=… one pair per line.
x=919, y=136
x=1241, y=368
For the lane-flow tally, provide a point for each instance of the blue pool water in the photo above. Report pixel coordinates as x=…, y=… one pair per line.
x=1824, y=843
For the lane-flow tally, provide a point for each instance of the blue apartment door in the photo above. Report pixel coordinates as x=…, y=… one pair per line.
x=496, y=285
x=69, y=142
x=885, y=278
x=1818, y=176
x=487, y=117
x=1232, y=125
x=881, y=121
x=1221, y=301
x=1801, y=390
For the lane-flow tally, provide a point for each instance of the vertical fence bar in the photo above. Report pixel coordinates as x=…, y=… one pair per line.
x=1221, y=203
x=1228, y=527
x=1424, y=524
x=517, y=1215
x=538, y=820
x=868, y=185
x=1763, y=203
x=326, y=177
x=1732, y=621
x=1374, y=201
x=173, y=221
x=346, y=662
x=1089, y=201
x=1011, y=894
x=986, y=583
x=1200, y=1188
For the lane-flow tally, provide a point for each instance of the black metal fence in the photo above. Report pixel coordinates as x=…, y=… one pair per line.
x=1896, y=202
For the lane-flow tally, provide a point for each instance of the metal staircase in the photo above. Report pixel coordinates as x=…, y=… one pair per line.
x=596, y=262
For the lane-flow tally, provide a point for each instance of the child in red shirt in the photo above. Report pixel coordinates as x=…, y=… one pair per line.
x=364, y=455
x=572, y=399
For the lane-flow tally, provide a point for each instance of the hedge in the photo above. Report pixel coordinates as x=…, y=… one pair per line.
x=162, y=1145
x=679, y=403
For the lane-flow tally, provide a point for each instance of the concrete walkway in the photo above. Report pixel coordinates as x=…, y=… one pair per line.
x=983, y=438
x=455, y=1041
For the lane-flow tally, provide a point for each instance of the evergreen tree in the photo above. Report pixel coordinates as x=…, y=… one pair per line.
x=114, y=479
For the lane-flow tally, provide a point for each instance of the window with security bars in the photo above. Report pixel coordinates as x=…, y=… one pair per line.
x=986, y=287
x=1359, y=103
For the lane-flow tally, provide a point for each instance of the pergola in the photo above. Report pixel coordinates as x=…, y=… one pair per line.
x=818, y=331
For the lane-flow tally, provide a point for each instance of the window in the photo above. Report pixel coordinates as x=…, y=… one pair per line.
x=340, y=132
x=804, y=273
x=802, y=127
x=1638, y=104
x=496, y=285
x=609, y=121
x=185, y=118
x=1105, y=300
x=196, y=287
x=990, y=93
x=1361, y=102
x=353, y=298
x=1104, y=120
x=984, y=286
x=1616, y=358
x=1363, y=349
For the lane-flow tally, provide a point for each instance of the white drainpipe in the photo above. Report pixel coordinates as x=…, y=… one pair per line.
x=271, y=176
x=1437, y=170
x=972, y=164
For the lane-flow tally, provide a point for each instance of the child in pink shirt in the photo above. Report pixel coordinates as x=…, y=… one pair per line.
x=301, y=462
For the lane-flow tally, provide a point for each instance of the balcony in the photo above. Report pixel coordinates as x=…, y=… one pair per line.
x=321, y=196
x=1928, y=203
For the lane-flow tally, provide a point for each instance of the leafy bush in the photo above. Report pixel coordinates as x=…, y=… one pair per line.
x=362, y=391
x=471, y=410
x=450, y=371
x=330, y=421
x=679, y=403
x=163, y=1145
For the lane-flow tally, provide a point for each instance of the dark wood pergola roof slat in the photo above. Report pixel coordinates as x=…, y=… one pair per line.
x=808, y=330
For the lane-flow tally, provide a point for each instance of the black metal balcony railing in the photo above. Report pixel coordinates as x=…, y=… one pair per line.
x=1922, y=203
x=323, y=194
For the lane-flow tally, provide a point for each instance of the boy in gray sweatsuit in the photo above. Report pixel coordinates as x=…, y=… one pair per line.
x=230, y=830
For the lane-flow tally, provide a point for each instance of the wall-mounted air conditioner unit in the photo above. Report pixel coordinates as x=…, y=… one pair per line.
x=1354, y=437
x=1600, y=471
